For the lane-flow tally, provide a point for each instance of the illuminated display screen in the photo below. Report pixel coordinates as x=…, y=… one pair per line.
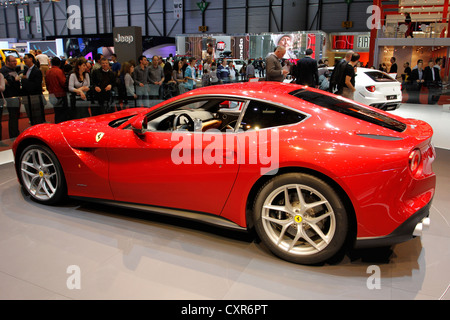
x=343, y=42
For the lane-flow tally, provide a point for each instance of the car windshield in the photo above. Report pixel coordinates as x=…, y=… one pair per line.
x=116, y=123
x=11, y=53
x=379, y=76
x=350, y=109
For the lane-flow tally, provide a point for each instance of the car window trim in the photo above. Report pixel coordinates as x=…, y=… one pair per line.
x=244, y=99
x=188, y=100
x=367, y=117
x=278, y=105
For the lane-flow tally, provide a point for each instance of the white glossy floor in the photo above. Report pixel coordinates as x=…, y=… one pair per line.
x=437, y=116
x=129, y=255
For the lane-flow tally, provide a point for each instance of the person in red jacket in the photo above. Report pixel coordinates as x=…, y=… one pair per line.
x=56, y=86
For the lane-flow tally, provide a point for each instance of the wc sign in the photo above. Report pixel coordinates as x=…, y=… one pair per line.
x=178, y=9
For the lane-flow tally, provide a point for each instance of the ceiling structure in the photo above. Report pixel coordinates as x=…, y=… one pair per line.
x=8, y=3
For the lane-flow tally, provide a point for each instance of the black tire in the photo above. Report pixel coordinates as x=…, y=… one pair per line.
x=310, y=230
x=41, y=175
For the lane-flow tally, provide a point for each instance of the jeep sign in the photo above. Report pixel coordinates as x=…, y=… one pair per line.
x=125, y=39
x=127, y=43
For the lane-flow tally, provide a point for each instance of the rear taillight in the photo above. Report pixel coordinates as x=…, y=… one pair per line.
x=415, y=161
x=370, y=88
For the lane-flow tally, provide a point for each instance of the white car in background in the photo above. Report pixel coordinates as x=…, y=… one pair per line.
x=377, y=89
x=238, y=63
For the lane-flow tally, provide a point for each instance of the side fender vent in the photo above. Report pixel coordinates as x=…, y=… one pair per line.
x=379, y=137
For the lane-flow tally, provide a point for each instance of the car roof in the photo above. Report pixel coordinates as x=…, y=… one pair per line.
x=370, y=70
x=362, y=69
x=249, y=89
x=286, y=94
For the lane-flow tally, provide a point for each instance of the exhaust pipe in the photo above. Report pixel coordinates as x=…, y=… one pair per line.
x=421, y=226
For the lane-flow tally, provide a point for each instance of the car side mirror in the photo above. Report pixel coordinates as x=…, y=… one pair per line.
x=139, y=125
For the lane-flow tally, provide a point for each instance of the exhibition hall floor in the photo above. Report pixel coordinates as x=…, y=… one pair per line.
x=117, y=254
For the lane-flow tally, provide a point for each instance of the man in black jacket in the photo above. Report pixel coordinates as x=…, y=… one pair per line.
x=103, y=81
x=307, y=70
x=32, y=90
x=12, y=93
x=432, y=82
x=338, y=74
x=417, y=79
x=394, y=67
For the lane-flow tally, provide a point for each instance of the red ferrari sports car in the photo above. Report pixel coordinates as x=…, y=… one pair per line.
x=312, y=173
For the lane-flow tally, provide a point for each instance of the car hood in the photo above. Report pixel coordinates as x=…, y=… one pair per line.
x=104, y=118
x=89, y=132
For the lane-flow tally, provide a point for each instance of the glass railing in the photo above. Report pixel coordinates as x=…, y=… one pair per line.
x=419, y=29
x=19, y=113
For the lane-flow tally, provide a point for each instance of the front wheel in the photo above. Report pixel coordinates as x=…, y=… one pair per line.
x=41, y=174
x=300, y=218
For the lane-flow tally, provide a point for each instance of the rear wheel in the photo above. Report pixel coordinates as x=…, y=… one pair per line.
x=300, y=218
x=41, y=174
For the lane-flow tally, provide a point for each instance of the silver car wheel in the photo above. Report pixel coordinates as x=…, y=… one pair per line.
x=39, y=174
x=298, y=219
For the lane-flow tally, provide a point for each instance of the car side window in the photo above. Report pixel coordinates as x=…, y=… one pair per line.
x=260, y=115
x=218, y=113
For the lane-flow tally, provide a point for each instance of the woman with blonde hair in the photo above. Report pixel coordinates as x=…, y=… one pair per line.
x=79, y=85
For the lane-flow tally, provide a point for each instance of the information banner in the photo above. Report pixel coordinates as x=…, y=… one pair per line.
x=21, y=14
x=37, y=11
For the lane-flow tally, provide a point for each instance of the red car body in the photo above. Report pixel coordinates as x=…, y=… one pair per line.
x=368, y=164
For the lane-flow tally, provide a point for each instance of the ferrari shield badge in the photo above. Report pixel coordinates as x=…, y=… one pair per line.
x=99, y=136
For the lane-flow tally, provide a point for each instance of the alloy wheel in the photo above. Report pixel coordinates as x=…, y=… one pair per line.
x=40, y=175
x=298, y=219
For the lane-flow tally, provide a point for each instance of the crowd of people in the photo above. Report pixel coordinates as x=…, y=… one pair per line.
x=310, y=72
x=420, y=77
x=22, y=85
x=79, y=88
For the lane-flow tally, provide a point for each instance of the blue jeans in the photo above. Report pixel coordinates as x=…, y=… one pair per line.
x=142, y=96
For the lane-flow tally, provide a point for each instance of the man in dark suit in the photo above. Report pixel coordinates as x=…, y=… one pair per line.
x=307, y=72
x=416, y=80
x=103, y=80
x=12, y=93
x=32, y=90
x=432, y=82
x=274, y=71
x=394, y=67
